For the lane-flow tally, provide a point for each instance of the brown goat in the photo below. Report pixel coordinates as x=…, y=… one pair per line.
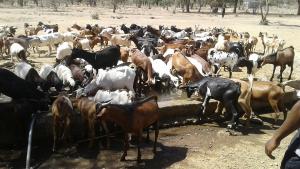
x=124, y=54
x=271, y=93
x=87, y=109
x=141, y=60
x=281, y=58
x=133, y=118
x=205, y=65
x=62, y=110
x=184, y=68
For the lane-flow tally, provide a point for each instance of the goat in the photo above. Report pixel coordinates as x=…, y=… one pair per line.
x=47, y=73
x=13, y=86
x=82, y=44
x=271, y=93
x=87, y=109
x=141, y=60
x=45, y=26
x=28, y=73
x=182, y=66
x=162, y=69
x=133, y=118
x=221, y=58
x=118, y=39
x=18, y=51
x=30, y=30
x=281, y=58
x=108, y=57
x=253, y=64
x=115, y=97
x=116, y=78
x=63, y=50
x=62, y=110
x=224, y=90
x=65, y=74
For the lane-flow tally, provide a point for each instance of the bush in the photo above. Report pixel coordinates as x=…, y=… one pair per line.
x=95, y=16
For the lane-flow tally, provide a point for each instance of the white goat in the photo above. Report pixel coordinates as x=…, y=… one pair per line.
x=116, y=97
x=65, y=74
x=222, y=44
x=16, y=50
x=161, y=68
x=63, y=50
x=116, y=78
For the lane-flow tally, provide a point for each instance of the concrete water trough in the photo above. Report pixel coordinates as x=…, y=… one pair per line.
x=174, y=112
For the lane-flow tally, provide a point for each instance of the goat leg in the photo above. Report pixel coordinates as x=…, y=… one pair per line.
x=274, y=67
x=54, y=134
x=104, y=125
x=156, y=126
x=126, y=146
x=282, y=68
x=91, y=133
x=139, y=138
x=290, y=76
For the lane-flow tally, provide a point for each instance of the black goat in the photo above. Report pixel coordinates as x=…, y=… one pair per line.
x=17, y=88
x=108, y=57
x=224, y=90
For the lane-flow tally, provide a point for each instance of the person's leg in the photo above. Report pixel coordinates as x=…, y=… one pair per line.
x=292, y=163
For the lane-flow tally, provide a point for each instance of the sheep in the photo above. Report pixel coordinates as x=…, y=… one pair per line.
x=18, y=51
x=65, y=74
x=132, y=118
x=62, y=110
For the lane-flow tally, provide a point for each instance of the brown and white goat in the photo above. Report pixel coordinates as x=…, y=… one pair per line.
x=62, y=111
x=133, y=118
x=184, y=68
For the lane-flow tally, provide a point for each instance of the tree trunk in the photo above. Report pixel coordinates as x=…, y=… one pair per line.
x=187, y=5
x=298, y=7
x=263, y=13
x=235, y=6
x=200, y=5
x=174, y=10
x=114, y=5
x=36, y=2
x=21, y=3
x=139, y=3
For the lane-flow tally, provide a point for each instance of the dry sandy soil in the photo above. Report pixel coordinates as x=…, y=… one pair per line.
x=199, y=146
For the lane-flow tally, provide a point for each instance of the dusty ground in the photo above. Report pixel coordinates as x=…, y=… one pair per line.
x=184, y=147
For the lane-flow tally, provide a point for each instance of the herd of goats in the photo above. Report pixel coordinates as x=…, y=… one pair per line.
x=121, y=83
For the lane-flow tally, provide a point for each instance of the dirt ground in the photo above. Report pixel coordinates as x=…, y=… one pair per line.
x=200, y=146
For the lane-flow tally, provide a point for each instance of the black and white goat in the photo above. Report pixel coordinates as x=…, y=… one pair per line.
x=224, y=90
